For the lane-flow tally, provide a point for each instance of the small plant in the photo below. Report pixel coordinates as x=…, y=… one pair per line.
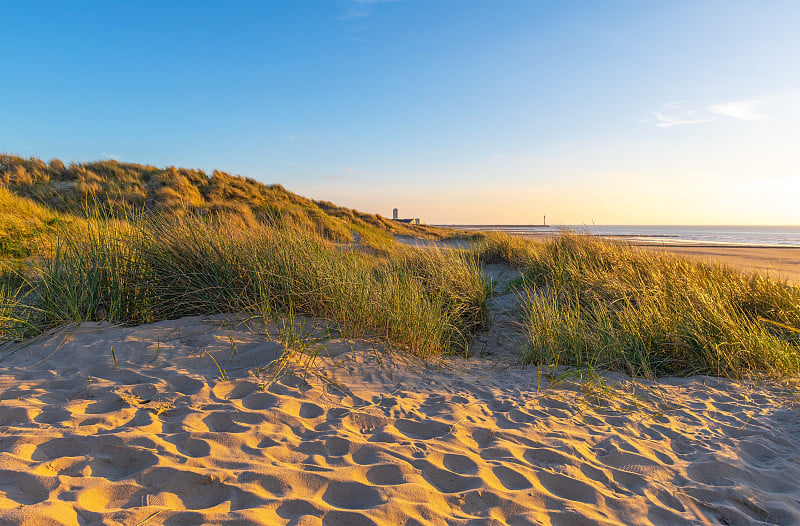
x=222, y=374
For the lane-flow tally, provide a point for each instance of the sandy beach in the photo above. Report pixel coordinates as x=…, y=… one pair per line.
x=101, y=424
x=393, y=263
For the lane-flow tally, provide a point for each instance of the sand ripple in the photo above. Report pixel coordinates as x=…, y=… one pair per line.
x=370, y=439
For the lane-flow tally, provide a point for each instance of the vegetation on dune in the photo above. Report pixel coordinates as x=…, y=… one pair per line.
x=497, y=248
x=25, y=226
x=602, y=304
x=174, y=242
x=124, y=188
x=157, y=267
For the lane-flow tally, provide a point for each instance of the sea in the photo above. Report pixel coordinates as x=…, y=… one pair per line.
x=760, y=236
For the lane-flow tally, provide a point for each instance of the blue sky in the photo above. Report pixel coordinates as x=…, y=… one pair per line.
x=662, y=112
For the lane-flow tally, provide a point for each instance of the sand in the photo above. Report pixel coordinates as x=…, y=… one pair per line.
x=369, y=437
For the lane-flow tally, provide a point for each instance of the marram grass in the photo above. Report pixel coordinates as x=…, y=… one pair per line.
x=166, y=266
x=586, y=302
x=601, y=304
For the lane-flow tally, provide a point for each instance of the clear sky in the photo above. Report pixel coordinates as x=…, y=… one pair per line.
x=458, y=111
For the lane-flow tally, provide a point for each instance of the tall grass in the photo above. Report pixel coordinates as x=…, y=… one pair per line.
x=602, y=304
x=166, y=266
x=498, y=248
x=589, y=303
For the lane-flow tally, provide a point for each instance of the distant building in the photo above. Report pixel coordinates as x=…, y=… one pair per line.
x=411, y=220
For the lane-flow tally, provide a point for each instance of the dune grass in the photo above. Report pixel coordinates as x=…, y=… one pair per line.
x=124, y=188
x=164, y=266
x=588, y=303
x=600, y=304
x=27, y=228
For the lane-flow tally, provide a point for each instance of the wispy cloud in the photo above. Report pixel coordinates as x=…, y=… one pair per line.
x=743, y=110
x=110, y=156
x=290, y=138
x=674, y=114
x=678, y=113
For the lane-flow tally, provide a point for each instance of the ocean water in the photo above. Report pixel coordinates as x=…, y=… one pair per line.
x=776, y=236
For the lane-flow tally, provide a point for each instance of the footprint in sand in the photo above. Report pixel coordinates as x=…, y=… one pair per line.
x=482, y=436
x=117, y=462
x=631, y=462
x=347, y=518
x=296, y=508
x=337, y=446
x=111, y=497
x=67, y=466
x=309, y=410
x=568, y=488
x=547, y=457
x=194, y=491
x=352, y=495
x=366, y=455
x=364, y=423
x=631, y=481
x=24, y=488
x=15, y=416
x=108, y=403
x=460, y=464
x=425, y=430
x=8, y=444
x=118, y=376
x=385, y=475
x=259, y=400
x=270, y=483
x=191, y=447
x=718, y=473
x=511, y=479
x=185, y=384
x=234, y=391
x=449, y=482
x=596, y=475
x=382, y=436
x=221, y=422
x=63, y=447
x=52, y=415
x=496, y=453
x=501, y=406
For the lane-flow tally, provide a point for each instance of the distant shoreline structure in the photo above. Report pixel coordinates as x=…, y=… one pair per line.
x=410, y=220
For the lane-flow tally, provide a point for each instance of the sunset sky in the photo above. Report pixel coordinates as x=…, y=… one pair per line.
x=460, y=111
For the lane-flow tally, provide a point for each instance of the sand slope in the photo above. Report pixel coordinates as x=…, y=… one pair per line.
x=371, y=439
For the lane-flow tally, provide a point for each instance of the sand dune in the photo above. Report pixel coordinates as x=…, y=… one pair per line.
x=369, y=438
